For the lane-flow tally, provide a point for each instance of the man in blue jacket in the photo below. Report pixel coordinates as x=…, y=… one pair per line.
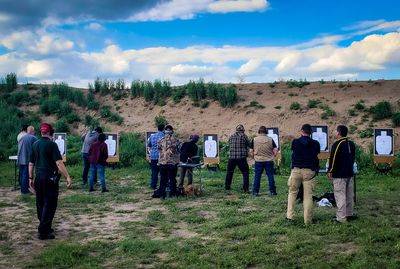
x=305, y=165
x=340, y=171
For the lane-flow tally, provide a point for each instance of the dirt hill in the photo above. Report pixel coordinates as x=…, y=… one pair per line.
x=263, y=104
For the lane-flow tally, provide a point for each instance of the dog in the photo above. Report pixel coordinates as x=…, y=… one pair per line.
x=192, y=190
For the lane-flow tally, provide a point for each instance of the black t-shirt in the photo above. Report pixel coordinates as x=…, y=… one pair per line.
x=44, y=155
x=305, y=153
x=188, y=150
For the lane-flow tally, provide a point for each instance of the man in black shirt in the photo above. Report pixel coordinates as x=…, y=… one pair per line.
x=47, y=161
x=305, y=165
x=188, y=150
x=340, y=171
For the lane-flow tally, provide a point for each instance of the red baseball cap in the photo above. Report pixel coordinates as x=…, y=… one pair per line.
x=46, y=128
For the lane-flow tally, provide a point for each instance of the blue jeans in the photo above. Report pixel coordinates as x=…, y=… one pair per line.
x=155, y=169
x=24, y=178
x=269, y=169
x=94, y=169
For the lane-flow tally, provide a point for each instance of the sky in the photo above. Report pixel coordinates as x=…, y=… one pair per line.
x=223, y=41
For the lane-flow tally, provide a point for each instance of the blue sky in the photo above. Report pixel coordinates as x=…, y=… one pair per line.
x=219, y=40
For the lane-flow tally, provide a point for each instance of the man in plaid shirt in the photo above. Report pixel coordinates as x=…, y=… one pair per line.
x=152, y=148
x=239, y=145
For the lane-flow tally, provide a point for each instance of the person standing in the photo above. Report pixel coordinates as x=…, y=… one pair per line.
x=23, y=132
x=24, y=153
x=239, y=145
x=88, y=139
x=152, y=148
x=45, y=162
x=98, y=154
x=168, y=147
x=188, y=150
x=340, y=171
x=305, y=166
x=264, y=150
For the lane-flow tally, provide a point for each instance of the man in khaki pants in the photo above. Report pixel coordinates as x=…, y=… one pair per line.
x=341, y=173
x=305, y=165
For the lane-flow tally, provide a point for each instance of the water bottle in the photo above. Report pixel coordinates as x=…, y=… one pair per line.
x=355, y=168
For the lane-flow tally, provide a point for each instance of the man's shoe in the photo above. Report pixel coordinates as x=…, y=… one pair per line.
x=273, y=193
x=104, y=190
x=91, y=189
x=288, y=220
x=351, y=218
x=227, y=188
x=335, y=220
x=46, y=236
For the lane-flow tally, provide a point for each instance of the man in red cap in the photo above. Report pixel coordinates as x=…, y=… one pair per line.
x=46, y=161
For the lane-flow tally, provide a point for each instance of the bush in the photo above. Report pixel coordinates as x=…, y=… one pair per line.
x=299, y=84
x=178, y=93
x=131, y=148
x=105, y=112
x=17, y=98
x=396, y=119
x=9, y=83
x=91, y=122
x=294, y=106
x=204, y=104
x=359, y=105
x=160, y=119
x=381, y=110
x=255, y=104
x=366, y=133
x=61, y=126
x=312, y=103
x=50, y=105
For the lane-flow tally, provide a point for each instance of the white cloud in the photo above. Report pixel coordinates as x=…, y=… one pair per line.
x=183, y=9
x=16, y=39
x=48, y=44
x=37, y=69
x=226, y=6
x=250, y=67
x=191, y=70
x=288, y=62
x=112, y=60
x=94, y=26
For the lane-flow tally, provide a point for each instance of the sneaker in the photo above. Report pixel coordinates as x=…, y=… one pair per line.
x=351, y=218
x=46, y=236
x=104, y=190
x=335, y=220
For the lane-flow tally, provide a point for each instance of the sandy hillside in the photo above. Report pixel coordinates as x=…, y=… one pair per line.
x=340, y=97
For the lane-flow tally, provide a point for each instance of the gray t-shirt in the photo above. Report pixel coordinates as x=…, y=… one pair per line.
x=88, y=140
x=25, y=149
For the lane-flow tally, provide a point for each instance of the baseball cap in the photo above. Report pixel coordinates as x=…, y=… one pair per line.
x=46, y=128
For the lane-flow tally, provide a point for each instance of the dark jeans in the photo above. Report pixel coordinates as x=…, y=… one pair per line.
x=86, y=168
x=168, y=178
x=155, y=170
x=182, y=171
x=259, y=167
x=24, y=179
x=46, y=201
x=243, y=167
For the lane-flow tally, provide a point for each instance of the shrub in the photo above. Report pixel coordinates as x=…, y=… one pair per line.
x=114, y=117
x=131, y=148
x=204, y=103
x=359, y=105
x=17, y=98
x=322, y=81
x=352, y=129
x=44, y=92
x=366, y=133
x=352, y=112
x=72, y=117
x=278, y=107
x=160, y=119
x=255, y=104
x=259, y=92
x=178, y=94
x=61, y=126
x=105, y=112
x=9, y=83
x=396, y=119
x=381, y=110
x=299, y=84
x=91, y=122
x=50, y=105
x=294, y=106
x=312, y=103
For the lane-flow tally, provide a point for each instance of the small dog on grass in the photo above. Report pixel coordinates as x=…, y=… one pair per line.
x=192, y=190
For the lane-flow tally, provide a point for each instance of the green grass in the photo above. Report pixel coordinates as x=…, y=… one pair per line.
x=216, y=230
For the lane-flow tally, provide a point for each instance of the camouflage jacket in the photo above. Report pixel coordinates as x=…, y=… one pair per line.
x=168, y=148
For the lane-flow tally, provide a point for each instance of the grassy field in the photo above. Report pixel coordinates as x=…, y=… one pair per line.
x=125, y=228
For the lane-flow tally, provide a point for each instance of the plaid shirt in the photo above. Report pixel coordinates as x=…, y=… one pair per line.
x=238, y=146
x=152, y=144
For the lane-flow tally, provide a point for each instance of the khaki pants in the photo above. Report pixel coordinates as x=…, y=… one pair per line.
x=297, y=177
x=343, y=190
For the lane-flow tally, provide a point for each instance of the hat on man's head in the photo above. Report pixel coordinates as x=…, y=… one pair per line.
x=240, y=128
x=306, y=128
x=46, y=128
x=98, y=129
x=194, y=137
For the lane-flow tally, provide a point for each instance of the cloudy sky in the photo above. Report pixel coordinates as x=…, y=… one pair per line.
x=75, y=41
